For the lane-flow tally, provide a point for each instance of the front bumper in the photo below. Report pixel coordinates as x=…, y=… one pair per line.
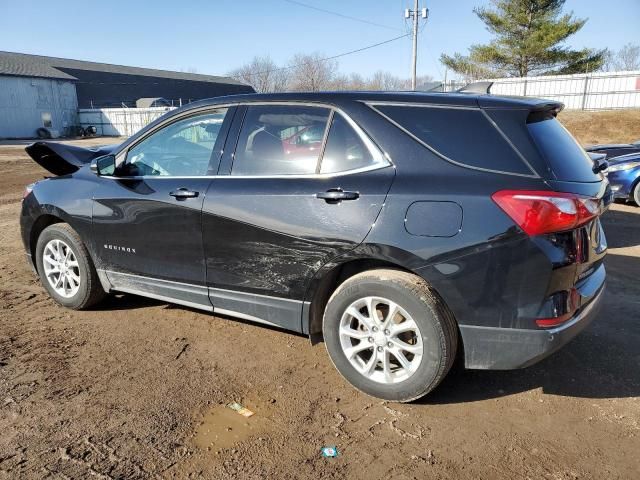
x=495, y=348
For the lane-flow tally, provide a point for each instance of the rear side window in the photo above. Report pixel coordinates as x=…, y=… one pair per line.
x=345, y=150
x=280, y=140
x=464, y=136
x=567, y=159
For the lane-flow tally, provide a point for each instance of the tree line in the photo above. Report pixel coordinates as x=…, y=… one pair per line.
x=311, y=73
x=529, y=38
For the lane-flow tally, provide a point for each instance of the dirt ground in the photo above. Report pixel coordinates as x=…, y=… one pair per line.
x=611, y=126
x=137, y=388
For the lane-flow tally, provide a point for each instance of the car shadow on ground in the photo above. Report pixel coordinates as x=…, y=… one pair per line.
x=124, y=301
x=622, y=227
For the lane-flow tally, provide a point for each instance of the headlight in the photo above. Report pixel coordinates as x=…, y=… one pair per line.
x=623, y=166
x=27, y=190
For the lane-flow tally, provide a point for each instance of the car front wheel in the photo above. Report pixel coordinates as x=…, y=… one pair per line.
x=66, y=269
x=389, y=334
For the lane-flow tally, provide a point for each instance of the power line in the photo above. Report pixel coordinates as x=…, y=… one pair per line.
x=355, y=19
x=328, y=58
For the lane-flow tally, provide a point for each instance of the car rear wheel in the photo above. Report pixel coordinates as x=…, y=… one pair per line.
x=66, y=269
x=389, y=334
x=636, y=194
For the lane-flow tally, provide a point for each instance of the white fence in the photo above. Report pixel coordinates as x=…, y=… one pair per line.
x=590, y=91
x=119, y=121
x=586, y=91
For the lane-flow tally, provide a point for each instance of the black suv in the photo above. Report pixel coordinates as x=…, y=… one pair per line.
x=405, y=229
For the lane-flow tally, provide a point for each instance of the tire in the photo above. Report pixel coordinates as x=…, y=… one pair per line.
x=43, y=133
x=436, y=332
x=635, y=195
x=82, y=293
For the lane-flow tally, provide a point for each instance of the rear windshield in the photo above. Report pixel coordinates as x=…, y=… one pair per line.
x=567, y=159
x=462, y=135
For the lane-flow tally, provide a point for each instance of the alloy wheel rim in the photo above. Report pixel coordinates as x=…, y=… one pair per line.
x=381, y=340
x=61, y=268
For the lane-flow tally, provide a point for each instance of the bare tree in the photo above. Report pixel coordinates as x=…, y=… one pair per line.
x=382, y=80
x=627, y=58
x=609, y=64
x=353, y=81
x=311, y=73
x=263, y=75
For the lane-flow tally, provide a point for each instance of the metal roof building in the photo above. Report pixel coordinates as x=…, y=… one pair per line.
x=38, y=91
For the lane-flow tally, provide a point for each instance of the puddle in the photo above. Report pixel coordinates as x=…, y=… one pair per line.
x=222, y=427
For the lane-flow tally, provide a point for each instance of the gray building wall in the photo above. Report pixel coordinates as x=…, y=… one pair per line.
x=24, y=100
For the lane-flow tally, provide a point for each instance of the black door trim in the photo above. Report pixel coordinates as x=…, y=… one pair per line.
x=274, y=311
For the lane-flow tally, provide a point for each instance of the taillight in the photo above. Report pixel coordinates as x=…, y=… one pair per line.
x=539, y=212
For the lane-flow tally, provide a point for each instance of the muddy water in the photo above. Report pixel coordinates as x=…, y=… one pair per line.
x=222, y=427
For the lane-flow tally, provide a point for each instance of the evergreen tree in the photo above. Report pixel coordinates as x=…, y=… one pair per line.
x=529, y=38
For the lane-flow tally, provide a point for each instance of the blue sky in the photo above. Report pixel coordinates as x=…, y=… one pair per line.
x=215, y=36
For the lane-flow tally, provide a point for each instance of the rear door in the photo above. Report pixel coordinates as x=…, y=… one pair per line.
x=275, y=215
x=147, y=219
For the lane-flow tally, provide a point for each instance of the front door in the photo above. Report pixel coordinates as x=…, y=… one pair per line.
x=282, y=213
x=147, y=220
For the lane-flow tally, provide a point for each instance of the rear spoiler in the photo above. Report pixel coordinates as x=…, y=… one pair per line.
x=482, y=88
x=540, y=108
x=62, y=159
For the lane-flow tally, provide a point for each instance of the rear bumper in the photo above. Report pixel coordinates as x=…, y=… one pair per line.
x=494, y=348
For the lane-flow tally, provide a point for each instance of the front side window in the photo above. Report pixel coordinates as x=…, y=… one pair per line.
x=280, y=140
x=182, y=148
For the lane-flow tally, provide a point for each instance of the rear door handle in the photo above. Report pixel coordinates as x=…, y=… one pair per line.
x=183, y=193
x=336, y=195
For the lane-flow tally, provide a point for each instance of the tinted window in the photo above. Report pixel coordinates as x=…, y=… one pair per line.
x=182, y=148
x=462, y=135
x=566, y=157
x=280, y=140
x=345, y=150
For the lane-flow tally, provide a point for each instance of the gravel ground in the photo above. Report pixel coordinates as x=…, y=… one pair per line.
x=137, y=388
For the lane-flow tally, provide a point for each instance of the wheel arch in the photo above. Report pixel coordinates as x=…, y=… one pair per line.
x=635, y=184
x=329, y=279
x=43, y=221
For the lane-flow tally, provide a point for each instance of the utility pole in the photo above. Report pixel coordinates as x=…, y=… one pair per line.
x=408, y=13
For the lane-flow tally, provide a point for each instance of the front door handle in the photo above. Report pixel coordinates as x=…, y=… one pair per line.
x=336, y=195
x=183, y=193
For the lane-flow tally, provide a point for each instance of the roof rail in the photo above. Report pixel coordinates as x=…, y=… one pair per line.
x=477, y=87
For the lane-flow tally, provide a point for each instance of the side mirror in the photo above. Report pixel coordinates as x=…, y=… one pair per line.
x=104, y=165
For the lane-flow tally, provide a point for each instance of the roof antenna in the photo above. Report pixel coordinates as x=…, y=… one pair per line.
x=483, y=88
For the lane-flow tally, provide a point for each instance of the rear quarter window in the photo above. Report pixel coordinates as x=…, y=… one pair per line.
x=462, y=135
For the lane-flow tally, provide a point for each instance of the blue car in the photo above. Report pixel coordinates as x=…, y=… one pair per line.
x=624, y=177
